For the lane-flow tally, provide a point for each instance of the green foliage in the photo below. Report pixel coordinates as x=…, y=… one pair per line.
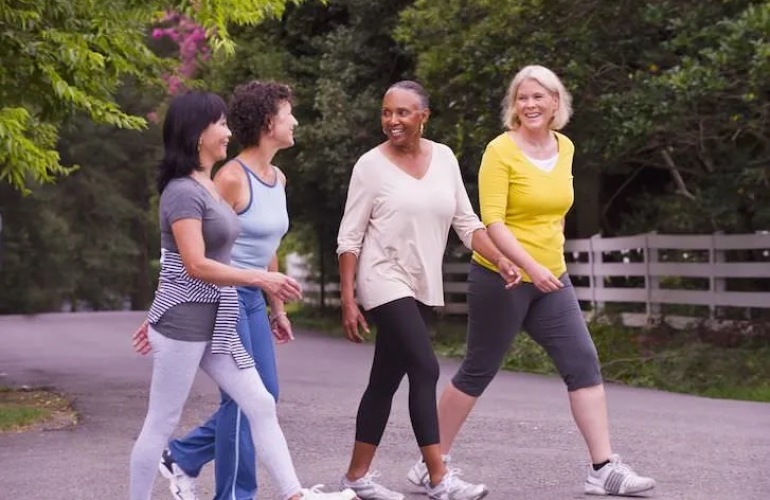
x=86, y=241
x=61, y=58
x=12, y=418
x=670, y=97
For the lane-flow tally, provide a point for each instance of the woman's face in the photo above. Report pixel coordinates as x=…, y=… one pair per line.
x=535, y=105
x=213, y=141
x=402, y=116
x=281, y=127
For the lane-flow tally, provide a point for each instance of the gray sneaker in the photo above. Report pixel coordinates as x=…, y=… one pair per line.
x=454, y=488
x=367, y=489
x=181, y=485
x=616, y=478
x=418, y=475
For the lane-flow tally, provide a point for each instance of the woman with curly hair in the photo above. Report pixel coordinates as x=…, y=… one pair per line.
x=260, y=117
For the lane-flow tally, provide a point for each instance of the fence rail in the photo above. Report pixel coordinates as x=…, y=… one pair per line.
x=646, y=269
x=651, y=270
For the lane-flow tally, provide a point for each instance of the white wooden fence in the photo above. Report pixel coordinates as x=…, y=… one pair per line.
x=647, y=270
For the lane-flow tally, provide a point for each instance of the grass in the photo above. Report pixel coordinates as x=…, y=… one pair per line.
x=730, y=363
x=23, y=409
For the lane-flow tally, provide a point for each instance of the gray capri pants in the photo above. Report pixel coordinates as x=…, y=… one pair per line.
x=553, y=320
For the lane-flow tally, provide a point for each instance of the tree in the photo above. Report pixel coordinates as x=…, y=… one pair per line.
x=339, y=58
x=671, y=98
x=71, y=56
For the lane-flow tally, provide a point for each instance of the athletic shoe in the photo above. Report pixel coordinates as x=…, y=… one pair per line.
x=418, y=475
x=454, y=488
x=315, y=493
x=367, y=489
x=616, y=478
x=181, y=485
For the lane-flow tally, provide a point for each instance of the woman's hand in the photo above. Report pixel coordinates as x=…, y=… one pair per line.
x=543, y=279
x=281, y=328
x=140, y=340
x=280, y=286
x=509, y=272
x=352, y=317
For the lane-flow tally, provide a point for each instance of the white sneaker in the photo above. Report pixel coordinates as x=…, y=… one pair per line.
x=454, y=488
x=418, y=475
x=616, y=478
x=315, y=493
x=367, y=489
x=181, y=485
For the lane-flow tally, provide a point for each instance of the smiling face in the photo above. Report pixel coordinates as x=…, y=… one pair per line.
x=535, y=106
x=213, y=142
x=282, y=125
x=402, y=117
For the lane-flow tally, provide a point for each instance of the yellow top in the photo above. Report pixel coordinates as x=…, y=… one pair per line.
x=530, y=201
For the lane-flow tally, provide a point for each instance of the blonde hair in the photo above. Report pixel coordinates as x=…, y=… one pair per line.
x=551, y=82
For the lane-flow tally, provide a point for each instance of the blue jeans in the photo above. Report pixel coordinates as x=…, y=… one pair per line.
x=225, y=437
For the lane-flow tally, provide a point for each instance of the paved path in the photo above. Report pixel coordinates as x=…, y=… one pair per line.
x=521, y=440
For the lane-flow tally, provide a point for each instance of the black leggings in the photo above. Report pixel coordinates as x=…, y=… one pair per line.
x=402, y=348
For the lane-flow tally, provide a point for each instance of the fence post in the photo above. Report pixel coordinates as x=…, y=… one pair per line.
x=717, y=284
x=597, y=282
x=651, y=283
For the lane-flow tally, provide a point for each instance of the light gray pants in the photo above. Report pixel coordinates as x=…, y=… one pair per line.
x=175, y=363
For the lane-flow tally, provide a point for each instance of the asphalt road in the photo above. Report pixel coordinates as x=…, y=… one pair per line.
x=521, y=440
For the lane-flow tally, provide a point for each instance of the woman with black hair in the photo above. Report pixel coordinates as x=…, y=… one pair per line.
x=193, y=317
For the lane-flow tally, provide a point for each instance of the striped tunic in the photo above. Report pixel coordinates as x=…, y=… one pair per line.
x=177, y=287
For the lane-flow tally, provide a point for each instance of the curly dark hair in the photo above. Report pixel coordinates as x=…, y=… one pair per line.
x=251, y=107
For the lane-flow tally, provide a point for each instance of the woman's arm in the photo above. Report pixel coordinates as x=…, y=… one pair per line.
x=483, y=244
x=188, y=235
x=355, y=220
x=351, y=313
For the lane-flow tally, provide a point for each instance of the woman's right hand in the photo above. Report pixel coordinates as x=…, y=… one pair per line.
x=543, y=279
x=281, y=286
x=352, y=317
x=141, y=340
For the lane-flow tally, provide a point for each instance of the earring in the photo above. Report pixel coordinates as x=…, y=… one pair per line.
x=422, y=128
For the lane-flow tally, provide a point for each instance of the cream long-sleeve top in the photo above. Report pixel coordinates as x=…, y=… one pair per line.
x=397, y=226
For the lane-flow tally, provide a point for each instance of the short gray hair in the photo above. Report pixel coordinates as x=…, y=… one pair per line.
x=413, y=87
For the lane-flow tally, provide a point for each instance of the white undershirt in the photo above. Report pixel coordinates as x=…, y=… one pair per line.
x=398, y=225
x=544, y=165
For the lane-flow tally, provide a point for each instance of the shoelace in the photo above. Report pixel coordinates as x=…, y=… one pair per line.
x=619, y=466
x=454, y=482
x=369, y=478
x=316, y=489
x=185, y=483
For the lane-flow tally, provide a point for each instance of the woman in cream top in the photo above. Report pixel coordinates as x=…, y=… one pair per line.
x=404, y=196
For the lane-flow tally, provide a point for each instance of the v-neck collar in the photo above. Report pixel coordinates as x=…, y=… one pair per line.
x=397, y=167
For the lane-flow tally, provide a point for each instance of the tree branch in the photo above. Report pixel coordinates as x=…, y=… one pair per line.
x=681, y=186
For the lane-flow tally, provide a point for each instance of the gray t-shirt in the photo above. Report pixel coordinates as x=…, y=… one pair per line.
x=185, y=198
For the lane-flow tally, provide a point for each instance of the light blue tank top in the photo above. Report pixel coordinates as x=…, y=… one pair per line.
x=264, y=221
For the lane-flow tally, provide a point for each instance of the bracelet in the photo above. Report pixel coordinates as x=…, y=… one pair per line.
x=274, y=317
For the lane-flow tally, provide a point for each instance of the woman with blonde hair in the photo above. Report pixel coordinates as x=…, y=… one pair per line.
x=525, y=191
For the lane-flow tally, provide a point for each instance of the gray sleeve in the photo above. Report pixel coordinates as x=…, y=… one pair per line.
x=182, y=200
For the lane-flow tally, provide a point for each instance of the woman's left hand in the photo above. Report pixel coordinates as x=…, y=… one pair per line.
x=141, y=341
x=509, y=272
x=281, y=327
